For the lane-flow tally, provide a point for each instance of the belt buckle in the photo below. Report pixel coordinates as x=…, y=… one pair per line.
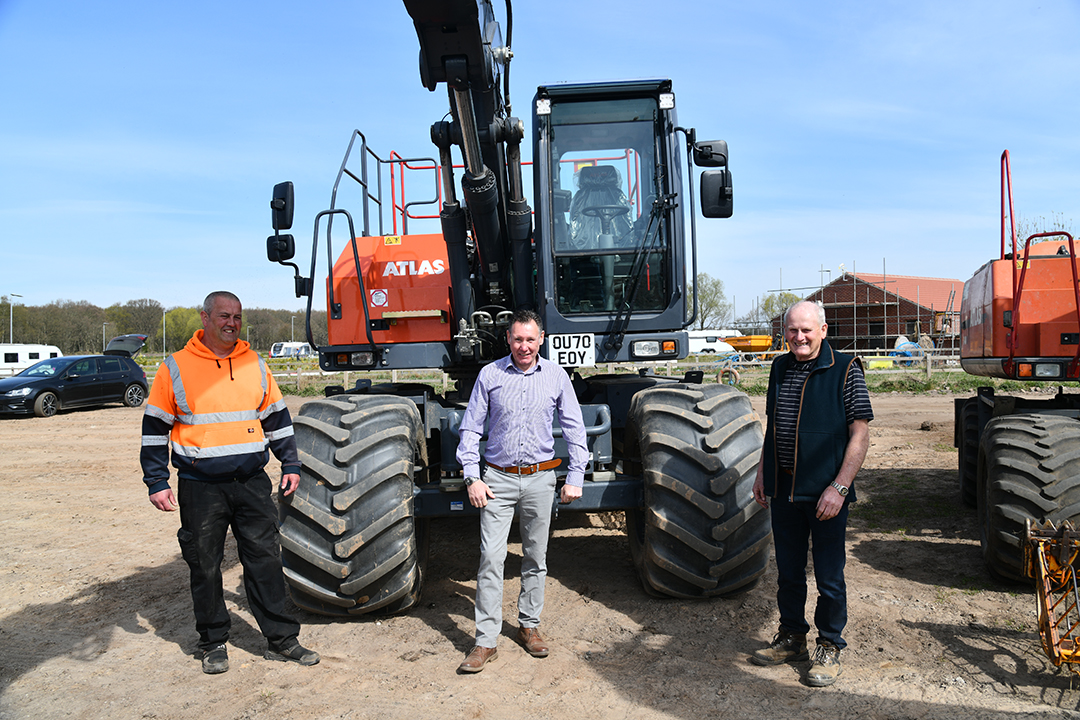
x=534, y=468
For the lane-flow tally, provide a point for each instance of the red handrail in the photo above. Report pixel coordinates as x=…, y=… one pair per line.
x=1006, y=198
x=397, y=183
x=1019, y=270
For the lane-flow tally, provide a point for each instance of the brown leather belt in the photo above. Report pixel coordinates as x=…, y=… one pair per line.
x=528, y=469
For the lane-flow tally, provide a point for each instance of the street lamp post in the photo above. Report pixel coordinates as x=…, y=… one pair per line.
x=292, y=333
x=103, y=335
x=11, y=316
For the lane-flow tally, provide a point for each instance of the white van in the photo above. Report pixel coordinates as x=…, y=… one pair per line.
x=707, y=341
x=291, y=349
x=14, y=358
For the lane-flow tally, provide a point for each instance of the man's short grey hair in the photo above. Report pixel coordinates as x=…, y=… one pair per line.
x=208, y=303
x=814, y=304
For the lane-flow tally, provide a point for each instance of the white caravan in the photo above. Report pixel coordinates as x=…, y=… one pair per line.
x=16, y=357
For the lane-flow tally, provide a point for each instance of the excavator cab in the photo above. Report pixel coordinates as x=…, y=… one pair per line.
x=598, y=223
x=611, y=214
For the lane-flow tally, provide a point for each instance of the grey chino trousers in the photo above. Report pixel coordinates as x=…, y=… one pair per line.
x=532, y=496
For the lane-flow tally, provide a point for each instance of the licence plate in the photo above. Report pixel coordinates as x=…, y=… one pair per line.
x=577, y=350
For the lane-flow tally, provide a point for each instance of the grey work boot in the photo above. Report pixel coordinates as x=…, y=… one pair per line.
x=785, y=647
x=296, y=653
x=826, y=666
x=215, y=660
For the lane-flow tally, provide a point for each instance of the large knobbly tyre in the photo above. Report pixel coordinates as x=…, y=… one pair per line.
x=348, y=537
x=701, y=534
x=1029, y=468
x=967, y=455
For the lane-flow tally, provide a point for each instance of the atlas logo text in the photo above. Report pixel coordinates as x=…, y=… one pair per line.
x=409, y=267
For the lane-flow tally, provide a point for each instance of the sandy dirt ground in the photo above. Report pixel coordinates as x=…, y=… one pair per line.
x=95, y=616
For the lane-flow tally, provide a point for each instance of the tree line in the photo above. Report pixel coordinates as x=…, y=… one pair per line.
x=80, y=327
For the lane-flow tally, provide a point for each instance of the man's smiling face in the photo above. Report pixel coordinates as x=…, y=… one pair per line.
x=525, y=340
x=221, y=328
x=804, y=331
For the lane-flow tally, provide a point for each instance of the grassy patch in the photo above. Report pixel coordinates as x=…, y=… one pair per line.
x=757, y=387
x=945, y=382
x=755, y=382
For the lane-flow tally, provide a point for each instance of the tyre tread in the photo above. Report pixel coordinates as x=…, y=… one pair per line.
x=348, y=535
x=1029, y=469
x=701, y=534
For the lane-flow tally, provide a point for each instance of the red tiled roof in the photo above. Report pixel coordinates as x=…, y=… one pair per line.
x=927, y=292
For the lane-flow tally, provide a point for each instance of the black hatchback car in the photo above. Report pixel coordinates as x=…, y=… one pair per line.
x=77, y=381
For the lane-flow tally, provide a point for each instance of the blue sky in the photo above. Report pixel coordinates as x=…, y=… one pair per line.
x=139, y=142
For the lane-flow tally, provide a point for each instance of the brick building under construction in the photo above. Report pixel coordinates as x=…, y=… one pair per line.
x=869, y=311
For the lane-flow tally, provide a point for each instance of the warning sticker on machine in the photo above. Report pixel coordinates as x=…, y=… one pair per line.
x=578, y=350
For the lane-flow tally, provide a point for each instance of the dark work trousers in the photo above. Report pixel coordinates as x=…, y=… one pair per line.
x=207, y=511
x=796, y=530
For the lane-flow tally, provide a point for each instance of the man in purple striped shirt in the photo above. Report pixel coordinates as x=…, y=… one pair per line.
x=517, y=396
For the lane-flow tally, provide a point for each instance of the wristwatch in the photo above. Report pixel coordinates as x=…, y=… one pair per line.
x=470, y=481
x=839, y=488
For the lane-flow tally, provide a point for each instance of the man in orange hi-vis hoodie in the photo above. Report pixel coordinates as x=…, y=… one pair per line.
x=217, y=407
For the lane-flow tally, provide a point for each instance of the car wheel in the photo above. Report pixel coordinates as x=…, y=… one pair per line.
x=134, y=395
x=46, y=404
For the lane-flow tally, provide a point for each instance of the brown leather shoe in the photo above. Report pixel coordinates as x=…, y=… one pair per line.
x=532, y=642
x=475, y=661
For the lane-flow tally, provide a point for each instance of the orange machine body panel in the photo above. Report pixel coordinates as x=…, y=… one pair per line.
x=406, y=284
x=1047, y=308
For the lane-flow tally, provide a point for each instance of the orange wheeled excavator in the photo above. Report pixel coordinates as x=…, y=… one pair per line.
x=604, y=253
x=1019, y=456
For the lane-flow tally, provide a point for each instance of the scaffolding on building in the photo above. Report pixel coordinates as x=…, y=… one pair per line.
x=877, y=312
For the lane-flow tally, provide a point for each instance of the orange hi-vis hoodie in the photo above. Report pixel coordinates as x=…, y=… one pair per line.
x=219, y=416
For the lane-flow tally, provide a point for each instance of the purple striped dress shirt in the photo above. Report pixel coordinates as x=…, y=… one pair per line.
x=520, y=407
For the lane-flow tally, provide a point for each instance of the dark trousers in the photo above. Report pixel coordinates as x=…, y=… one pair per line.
x=207, y=511
x=796, y=530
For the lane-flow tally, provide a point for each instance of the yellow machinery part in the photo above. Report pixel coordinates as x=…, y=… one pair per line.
x=1050, y=555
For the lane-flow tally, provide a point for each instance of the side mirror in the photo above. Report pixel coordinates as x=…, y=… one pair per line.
x=716, y=195
x=280, y=248
x=710, y=153
x=281, y=207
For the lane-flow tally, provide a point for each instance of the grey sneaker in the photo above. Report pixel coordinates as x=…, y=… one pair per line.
x=785, y=647
x=826, y=665
x=294, y=653
x=215, y=660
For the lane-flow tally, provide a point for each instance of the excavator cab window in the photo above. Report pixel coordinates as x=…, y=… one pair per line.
x=604, y=159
